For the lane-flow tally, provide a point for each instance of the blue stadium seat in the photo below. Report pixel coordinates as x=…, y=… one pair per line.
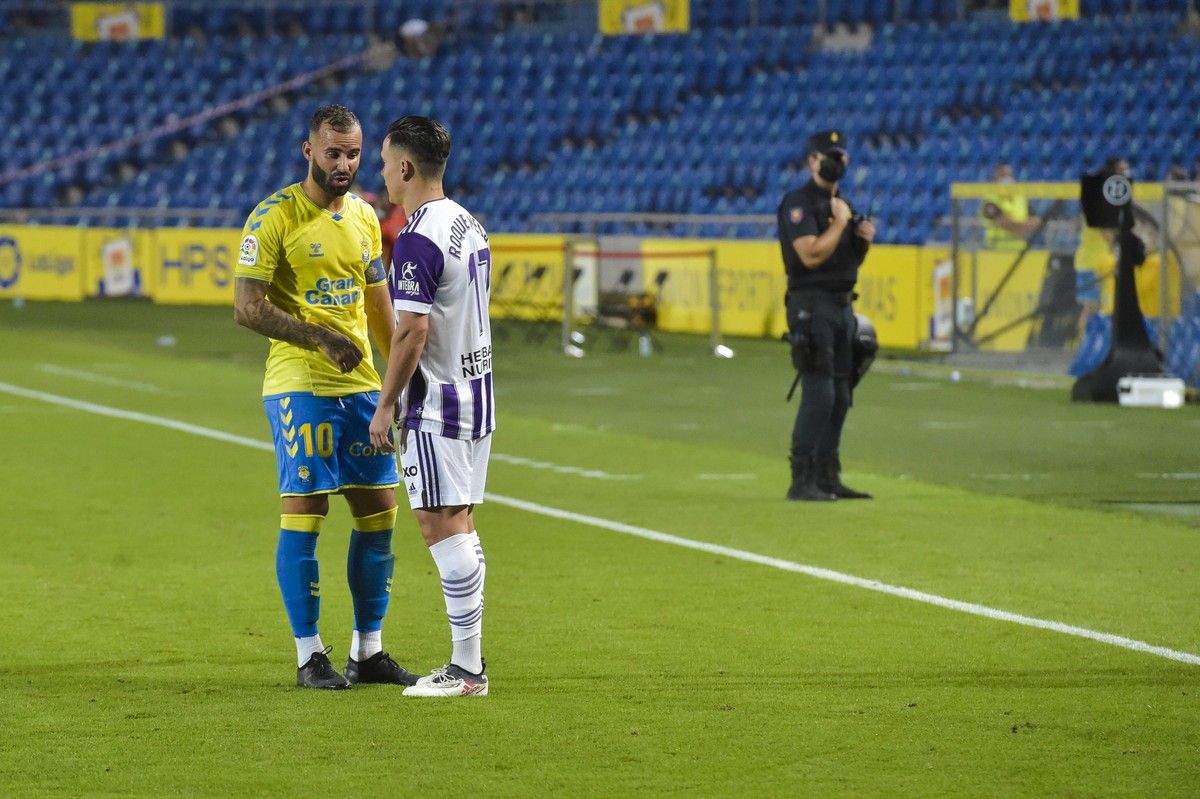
x=643, y=123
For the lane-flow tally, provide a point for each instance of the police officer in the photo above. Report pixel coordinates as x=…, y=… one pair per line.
x=823, y=243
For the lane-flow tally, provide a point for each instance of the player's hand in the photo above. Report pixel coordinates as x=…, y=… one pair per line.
x=338, y=348
x=866, y=230
x=381, y=429
x=840, y=210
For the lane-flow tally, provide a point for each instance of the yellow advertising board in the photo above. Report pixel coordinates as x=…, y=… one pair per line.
x=1042, y=10
x=118, y=22
x=1005, y=327
x=682, y=297
x=1150, y=295
x=752, y=283
x=909, y=293
x=117, y=262
x=527, y=276
x=194, y=266
x=890, y=294
x=644, y=16
x=41, y=263
x=751, y=287
x=935, y=297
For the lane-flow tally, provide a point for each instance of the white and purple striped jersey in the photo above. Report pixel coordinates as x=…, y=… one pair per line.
x=441, y=266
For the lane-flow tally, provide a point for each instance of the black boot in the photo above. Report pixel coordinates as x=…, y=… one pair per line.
x=318, y=672
x=829, y=478
x=804, y=485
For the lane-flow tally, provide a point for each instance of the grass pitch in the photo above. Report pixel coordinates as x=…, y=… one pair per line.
x=146, y=651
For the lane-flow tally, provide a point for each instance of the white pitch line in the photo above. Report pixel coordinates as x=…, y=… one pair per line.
x=592, y=474
x=95, y=377
x=913, y=386
x=1170, y=475
x=849, y=579
x=666, y=538
x=594, y=391
x=1024, y=476
x=134, y=416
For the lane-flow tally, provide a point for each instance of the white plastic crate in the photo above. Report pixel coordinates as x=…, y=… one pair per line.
x=1150, y=392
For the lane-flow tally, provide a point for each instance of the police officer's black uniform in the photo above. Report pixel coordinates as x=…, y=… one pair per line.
x=821, y=326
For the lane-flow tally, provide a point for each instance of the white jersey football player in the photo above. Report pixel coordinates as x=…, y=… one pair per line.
x=439, y=384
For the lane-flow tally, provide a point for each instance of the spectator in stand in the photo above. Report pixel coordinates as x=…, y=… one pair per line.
x=418, y=38
x=1007, y=223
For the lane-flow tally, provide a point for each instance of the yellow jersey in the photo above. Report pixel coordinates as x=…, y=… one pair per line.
x=1095, y=250
x=1016, y=208
x=317, y=264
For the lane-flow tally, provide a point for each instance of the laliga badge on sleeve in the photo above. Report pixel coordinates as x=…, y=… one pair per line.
x=796, y=214
x=249, y=252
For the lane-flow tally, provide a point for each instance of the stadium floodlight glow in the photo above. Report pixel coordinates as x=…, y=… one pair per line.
x=721, y=351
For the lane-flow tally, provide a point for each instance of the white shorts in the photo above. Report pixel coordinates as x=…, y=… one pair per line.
x=438, y=471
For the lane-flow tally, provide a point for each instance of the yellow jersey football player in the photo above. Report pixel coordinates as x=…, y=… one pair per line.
x=310, y=278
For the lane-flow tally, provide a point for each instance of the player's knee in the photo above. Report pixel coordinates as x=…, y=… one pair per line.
x=438, y=524
x=301, y=522
x=383, y=521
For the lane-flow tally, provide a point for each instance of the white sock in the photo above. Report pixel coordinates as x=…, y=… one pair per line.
x=460, y=562
x=306, y=647
x=365, y=645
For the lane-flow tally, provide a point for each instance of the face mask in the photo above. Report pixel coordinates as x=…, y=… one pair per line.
x=832, y=169
x=1006, y=179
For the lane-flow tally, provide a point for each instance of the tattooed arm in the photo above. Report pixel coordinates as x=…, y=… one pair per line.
x=253, y=310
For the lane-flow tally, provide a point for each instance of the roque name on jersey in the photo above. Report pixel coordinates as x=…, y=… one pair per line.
x=462, y=223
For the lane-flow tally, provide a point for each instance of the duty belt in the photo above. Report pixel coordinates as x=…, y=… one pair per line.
x=838, y=297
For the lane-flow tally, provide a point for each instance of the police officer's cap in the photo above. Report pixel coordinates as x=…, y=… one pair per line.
x=827, y=141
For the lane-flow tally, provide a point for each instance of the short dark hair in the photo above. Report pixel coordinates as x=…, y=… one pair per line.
x=425, y=139
x=1110, y=165
x=338, y=117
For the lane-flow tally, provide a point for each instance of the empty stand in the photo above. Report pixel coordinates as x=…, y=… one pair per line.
x=551, y=120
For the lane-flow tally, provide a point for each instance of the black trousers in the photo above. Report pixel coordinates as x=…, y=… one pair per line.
x=826, y=323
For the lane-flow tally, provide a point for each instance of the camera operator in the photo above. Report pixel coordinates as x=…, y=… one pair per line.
x=823, y=241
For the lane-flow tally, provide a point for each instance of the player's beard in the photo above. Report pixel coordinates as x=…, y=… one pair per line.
x=325, y=180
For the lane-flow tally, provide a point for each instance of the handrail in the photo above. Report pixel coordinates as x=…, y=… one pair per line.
x=699, y=219
x=167, y=129
x=109, y=213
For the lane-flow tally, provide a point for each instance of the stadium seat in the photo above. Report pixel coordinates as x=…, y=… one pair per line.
x=534, y=111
